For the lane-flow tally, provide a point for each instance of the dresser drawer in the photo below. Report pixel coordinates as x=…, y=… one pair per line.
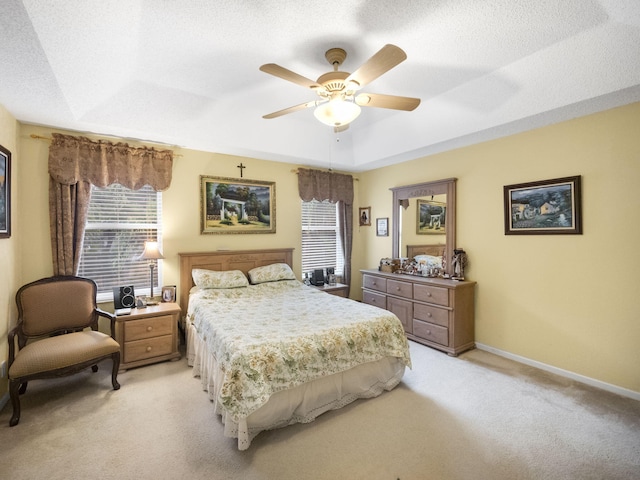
x=401, y=289
x=431, y=314
x=431, y=294
x=148, y=327
x=431, y=332
x=374, y=283
x=375, y=299
x=147, y=348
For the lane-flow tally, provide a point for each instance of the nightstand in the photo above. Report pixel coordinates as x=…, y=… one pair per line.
x=148, y=335
x=339, y=289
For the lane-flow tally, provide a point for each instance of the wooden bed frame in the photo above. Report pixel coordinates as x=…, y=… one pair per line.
x=222, y=260
x=435, y=250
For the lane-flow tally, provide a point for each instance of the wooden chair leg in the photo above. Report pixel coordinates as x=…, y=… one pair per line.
x=114, y=371
x=14, y=392
x=23, y=388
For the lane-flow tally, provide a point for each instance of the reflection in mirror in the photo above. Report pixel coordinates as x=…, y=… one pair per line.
x=424, y=214
x=424, y=222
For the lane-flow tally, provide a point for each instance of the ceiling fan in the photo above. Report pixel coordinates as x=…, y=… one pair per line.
x=339, y=104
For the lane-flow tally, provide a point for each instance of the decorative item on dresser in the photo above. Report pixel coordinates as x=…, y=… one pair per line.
x=148, y=335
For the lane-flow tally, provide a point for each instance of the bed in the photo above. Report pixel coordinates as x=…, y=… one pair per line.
x=273, y=352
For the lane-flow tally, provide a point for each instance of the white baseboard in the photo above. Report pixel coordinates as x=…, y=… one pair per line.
x=563, y=373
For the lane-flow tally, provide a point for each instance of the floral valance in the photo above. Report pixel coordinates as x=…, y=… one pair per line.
x=320, y=185
x=73, y=159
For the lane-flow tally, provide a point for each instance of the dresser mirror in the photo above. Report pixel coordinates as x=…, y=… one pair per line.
x=437, y=202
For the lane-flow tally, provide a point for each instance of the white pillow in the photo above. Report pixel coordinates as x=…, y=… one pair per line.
x=212, y=279
x=271, y=273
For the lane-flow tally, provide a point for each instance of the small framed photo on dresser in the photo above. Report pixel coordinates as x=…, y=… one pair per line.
x=169, y=293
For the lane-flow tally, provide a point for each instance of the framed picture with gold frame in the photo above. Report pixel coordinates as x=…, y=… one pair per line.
x=237, y=205
x=432, y=217
x=364, y=216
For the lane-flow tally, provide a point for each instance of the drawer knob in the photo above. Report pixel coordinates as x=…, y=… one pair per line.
x=429, y=314
x=148, y=349
x=428, y=332
x=373, y=300
x=398, y=289
x=149, y=328
x=428, y=294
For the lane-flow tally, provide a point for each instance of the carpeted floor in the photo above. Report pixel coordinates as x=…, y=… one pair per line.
x=478, y=416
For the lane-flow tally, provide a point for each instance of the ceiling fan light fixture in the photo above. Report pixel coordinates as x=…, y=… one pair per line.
x=337, y=112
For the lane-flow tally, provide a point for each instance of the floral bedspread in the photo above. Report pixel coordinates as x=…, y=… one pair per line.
x=274, y=336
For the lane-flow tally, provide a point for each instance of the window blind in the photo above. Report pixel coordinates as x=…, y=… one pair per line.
x=119, y=221
x=321, y=246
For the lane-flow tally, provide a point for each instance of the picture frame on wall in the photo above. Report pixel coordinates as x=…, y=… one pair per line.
x=364, y=216
x=382, y=227
x=5, y=192
x=234, y=205
x=544, y=207
x=432, y=217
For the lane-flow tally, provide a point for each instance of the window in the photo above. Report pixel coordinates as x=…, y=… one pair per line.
x=119, y=221
x=321, y=245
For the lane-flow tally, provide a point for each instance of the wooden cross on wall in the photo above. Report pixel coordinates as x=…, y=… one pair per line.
x=241, y=167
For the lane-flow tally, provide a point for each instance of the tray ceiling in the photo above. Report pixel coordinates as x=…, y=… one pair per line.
x=185, y=73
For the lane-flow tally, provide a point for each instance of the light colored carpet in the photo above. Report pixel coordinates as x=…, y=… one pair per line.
x=478, y=416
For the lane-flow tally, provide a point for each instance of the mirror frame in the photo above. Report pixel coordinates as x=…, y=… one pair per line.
x=446, y=186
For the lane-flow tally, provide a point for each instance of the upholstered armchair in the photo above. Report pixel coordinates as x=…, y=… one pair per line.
x=57, y=334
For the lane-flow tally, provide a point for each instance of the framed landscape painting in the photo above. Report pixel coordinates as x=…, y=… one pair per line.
x=5, y=192
x=232, y=205
x=544, y=207
x=432, y=217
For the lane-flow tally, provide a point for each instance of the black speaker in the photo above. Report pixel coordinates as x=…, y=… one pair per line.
x=317, y=277
x=124, y=297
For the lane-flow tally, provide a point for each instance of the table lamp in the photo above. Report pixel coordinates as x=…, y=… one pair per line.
x=152, y=253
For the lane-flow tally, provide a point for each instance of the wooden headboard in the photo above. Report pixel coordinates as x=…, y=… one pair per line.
x=243, y=260
x=435, y=250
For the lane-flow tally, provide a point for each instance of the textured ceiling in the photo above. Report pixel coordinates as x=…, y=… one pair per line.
x=186, y=73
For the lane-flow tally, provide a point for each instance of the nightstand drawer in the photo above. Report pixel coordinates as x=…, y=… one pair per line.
x=148, y=348
x=148, y=327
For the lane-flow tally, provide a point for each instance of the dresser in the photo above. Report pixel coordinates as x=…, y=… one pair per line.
x=436, y=312
x=148, y=335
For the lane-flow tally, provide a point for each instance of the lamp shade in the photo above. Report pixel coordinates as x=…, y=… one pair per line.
x=337, y=112
x=151, y=251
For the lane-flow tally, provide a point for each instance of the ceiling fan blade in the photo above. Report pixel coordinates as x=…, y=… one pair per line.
x=387, y=57
x=278, y=71
x=387, y=101
x=295, y=108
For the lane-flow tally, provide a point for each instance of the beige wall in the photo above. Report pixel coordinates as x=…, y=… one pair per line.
x=9, y=247
x=568, y=301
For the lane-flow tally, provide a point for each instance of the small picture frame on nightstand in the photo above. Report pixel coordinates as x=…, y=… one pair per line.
x=169, y=293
